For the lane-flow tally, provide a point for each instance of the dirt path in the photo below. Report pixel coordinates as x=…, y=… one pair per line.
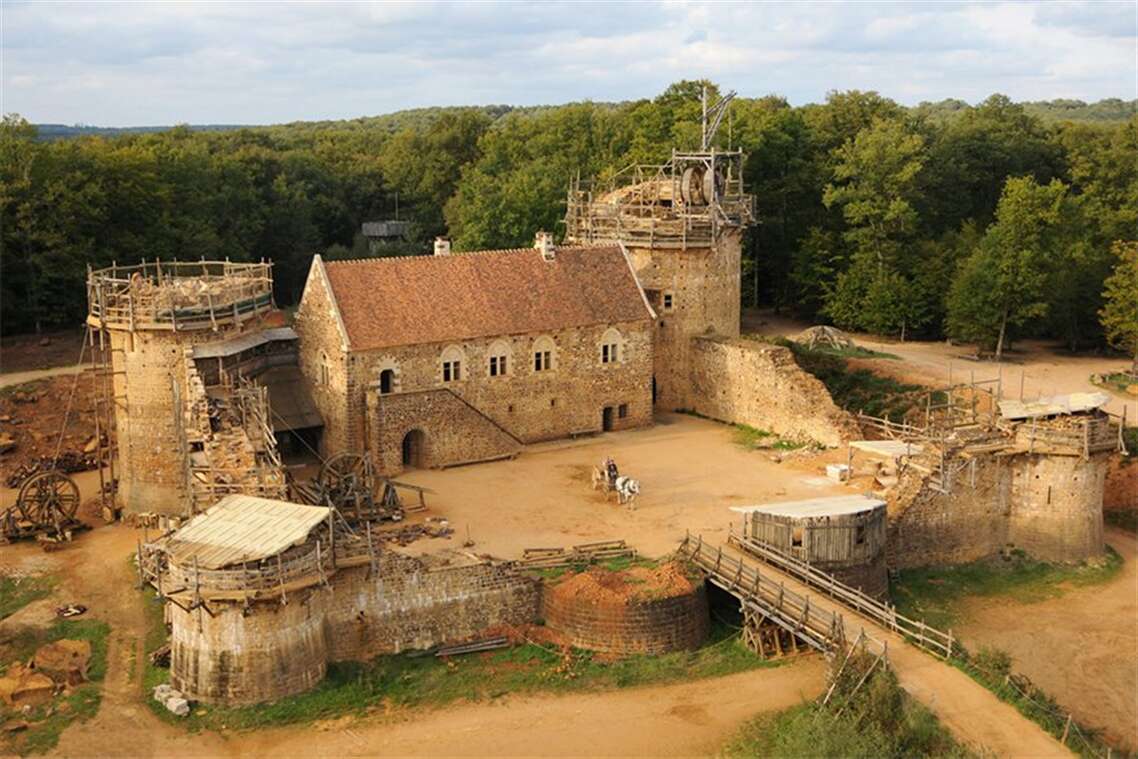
x=1081, y=647
x=10, y=379
x=688, y=719
x=1045, y=369
x=973, y=714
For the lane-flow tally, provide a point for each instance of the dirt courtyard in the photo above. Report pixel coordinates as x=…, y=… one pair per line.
x=690, y=471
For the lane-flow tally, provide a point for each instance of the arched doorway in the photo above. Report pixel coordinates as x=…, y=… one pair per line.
x=414, y=449
x=386, y=381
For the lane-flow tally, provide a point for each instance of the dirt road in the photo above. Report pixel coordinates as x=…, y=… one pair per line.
x=688, y=719
x=1045, y=369
x=1081, y=647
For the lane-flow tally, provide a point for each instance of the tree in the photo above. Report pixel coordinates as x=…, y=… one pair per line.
x=1002, y=284
x=1119, y=314
x=875, y=183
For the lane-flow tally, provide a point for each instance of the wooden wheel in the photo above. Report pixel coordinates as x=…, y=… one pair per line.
x=48, y=498
x=348, y=472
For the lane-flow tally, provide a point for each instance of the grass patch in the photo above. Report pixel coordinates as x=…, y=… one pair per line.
x=49, y=721
x=395, y=682
x=855, y=352
x=753, y=438
x=1117, y=382
x=1130, y=440
x=857, y=389
x=616, y=564
x=881, y=721
x=18, y=592
x=936, y=594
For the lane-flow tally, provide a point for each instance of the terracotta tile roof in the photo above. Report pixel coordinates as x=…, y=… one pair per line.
x=387, y=302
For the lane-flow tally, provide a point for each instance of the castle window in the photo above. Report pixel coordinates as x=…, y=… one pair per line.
x=543, y=354
x=325, y=368
x=452, y=364
x=386, y=381
x=859, y=537
x=622, y=411
x=499, y=359
x=610, y=347
x=668, y=300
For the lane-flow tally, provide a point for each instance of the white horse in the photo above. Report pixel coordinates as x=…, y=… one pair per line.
x=626, y=489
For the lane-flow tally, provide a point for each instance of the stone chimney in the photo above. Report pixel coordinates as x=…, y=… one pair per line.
x=442, y=246
x=543, y=241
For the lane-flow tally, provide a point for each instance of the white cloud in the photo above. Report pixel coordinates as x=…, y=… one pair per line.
x=247, y=62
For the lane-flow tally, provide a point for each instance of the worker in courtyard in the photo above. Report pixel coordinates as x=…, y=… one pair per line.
x=611, y=470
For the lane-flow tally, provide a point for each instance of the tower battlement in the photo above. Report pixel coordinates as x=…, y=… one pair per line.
x=178, y=295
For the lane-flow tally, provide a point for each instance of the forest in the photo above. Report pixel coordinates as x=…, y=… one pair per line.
x=984, y=223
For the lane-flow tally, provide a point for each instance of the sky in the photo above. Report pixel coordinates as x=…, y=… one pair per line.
x=159, y=63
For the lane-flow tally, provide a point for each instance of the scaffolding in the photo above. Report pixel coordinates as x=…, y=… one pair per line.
x=690, y=201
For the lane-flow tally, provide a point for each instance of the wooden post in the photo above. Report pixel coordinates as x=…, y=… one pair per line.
x=1066, y=730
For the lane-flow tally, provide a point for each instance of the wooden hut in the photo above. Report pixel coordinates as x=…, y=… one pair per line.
x=841, y=535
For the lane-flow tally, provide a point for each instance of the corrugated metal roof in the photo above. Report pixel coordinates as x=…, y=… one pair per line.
x=816, y=507
x=243, y=528
x=1072, y=403
x=887, y=449
x=244, y=342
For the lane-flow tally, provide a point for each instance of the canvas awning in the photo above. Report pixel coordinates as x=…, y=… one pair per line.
x=241, y=528
x=1072, y=403
x=233, y=346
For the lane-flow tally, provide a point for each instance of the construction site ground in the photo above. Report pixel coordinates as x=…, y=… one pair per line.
x=1079, y=647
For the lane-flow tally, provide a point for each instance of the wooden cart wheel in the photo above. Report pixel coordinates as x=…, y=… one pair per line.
x=348, y=471
x=48, y=498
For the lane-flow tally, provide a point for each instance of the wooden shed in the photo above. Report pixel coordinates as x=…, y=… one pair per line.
x=842, y=535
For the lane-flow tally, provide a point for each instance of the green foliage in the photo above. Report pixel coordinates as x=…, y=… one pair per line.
x=18, y=592
x=867, y=208
x=1119, y=314
x=881, y=721
x=399, y=682
x=1002, y=284
x=857, y=389
x=1124, y=519
x=936, y=594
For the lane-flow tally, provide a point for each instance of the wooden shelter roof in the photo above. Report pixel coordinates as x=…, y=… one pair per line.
x=241, y=528
x=839, y=505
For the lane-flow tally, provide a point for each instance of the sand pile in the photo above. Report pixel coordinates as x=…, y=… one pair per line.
x=637, y=584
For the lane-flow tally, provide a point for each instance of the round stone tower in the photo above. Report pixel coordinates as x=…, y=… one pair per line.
x=144, y=318
x=681, y=225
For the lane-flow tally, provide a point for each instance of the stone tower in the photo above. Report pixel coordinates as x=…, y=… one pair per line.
x=681, y=224
x=147, y=319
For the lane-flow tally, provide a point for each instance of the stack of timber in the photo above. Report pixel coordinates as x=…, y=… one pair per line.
x=586, y=553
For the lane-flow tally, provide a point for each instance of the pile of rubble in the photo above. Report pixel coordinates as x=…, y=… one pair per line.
x=31, y=418
x=55, y=670
x=172, y=699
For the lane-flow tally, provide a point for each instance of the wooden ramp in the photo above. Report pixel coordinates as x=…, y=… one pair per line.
x=822, y=611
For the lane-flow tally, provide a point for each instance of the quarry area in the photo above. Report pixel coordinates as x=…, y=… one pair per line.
x=602, y=512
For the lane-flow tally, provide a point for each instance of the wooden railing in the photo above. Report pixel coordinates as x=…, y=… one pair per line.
x=162, y=295
x=767, y=595
x=929, y=638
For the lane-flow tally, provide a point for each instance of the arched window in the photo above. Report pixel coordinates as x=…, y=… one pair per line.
x=325, y=368
x=612, y=346
x=386, y=381
x=388, y=374
x=499, y=359
x=452, y=361
x=544, y=354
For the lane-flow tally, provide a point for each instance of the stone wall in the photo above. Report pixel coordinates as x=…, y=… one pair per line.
x=704, y=287
x=147, y=365
x=274, y=650
x=652, y=626
x=1050, y=506
x=567, y=399
x=324, y=362
x=1056, y=506
x=410, y=605
x=236, y=656
x=761, y=385
x=451, y=432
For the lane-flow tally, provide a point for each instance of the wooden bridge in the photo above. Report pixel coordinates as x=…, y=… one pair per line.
x=822, y=611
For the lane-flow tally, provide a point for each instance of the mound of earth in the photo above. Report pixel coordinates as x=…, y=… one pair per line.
x=627, y=586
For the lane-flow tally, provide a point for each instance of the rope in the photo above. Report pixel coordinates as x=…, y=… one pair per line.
x=313, y=451
x=70, y=401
